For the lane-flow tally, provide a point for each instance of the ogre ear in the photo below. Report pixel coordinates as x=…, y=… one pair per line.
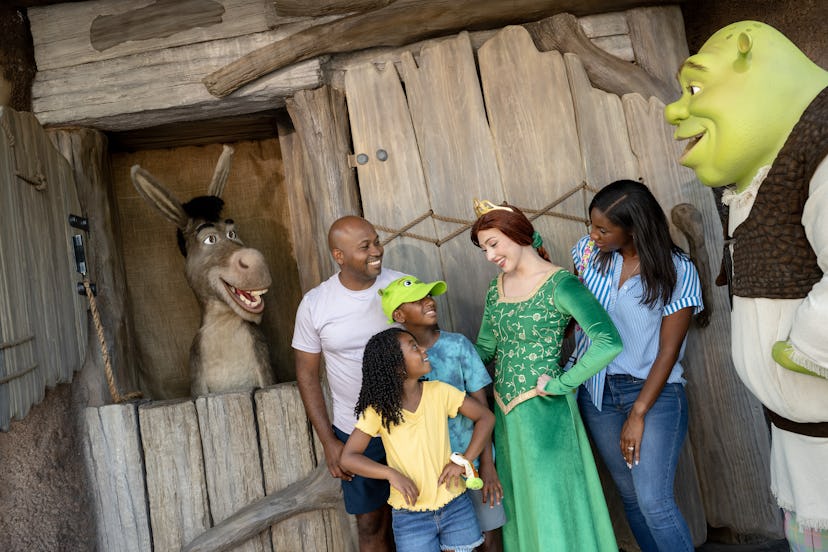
x=158, y=196
x=744, y=44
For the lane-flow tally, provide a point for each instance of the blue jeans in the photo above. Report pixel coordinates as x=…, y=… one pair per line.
x=452, y=527
x=646, y=489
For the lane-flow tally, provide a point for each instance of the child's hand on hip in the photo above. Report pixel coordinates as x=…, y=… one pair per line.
x=451, y=475
x=405, y=486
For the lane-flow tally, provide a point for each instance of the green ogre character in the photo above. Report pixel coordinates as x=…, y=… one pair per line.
x=755, y=111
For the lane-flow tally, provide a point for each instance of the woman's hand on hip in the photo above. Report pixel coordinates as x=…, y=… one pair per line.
x=631, y=434
x=543, y=379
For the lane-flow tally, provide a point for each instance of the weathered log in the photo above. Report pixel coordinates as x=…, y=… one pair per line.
x=317, y=491
x=87, y=153
x=316, y=8
x=69, y=34
x=141, y=91
x=396, y=24
x=232, y=467
x=176, y=488
x=287, y=456
x=658, y=39
x=562, y=32
x=688, y=219
x=113, y=459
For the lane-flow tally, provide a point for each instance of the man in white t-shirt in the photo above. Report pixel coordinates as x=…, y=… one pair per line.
x=336, y=319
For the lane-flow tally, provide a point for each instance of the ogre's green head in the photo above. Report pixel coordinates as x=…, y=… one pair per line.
x=742, y=93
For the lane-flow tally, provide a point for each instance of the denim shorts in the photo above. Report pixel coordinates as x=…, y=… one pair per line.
x=452, y=527
x=363, y=495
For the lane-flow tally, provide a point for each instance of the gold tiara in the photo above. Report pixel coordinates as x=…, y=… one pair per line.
x=483, y=206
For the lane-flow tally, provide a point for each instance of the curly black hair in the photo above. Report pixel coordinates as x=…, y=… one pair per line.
x=383, y=374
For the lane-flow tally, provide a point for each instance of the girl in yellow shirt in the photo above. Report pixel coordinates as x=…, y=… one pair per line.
x=431, y=511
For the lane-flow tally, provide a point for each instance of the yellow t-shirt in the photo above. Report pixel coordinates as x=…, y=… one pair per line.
x=419, y=447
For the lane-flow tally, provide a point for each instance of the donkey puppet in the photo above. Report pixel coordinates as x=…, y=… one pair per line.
x=229, y=352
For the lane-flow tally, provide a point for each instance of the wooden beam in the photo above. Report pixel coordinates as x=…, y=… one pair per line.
x=317, y=491
x=396, y=24
x=316, y=8
x=162, y=87
x=70, y=34
x=562, y=32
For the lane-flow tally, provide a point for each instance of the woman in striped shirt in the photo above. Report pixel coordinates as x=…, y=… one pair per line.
x=636, y=408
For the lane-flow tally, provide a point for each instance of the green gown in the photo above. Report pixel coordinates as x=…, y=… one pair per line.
x=552, y=494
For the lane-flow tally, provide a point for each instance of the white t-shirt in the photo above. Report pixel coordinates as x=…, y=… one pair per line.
x=338, y=322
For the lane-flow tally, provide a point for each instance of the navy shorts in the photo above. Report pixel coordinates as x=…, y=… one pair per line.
x=363, y=495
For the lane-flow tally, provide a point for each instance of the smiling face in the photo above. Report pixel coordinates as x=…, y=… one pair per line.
x=499, y=249
x=357, y=250
x=607, y=236
x=414, y=357
x=417, y=313
x=220, y=269
x=736, y=104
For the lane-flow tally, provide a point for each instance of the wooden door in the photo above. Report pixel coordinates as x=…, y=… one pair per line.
x=516, y=124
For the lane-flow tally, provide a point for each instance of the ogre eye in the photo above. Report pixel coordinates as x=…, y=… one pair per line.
x=693, y=89
x=209, y=239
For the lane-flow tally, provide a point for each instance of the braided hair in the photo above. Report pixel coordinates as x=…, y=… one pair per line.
x=383, y=374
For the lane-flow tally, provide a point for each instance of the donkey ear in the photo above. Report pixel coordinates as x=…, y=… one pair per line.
x=158, y=196
x=221, y=173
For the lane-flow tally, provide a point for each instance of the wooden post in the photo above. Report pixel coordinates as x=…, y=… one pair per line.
x=114, y=463
x=232, y=466
x=176, y=485
x=288, y=455
x=87, y=153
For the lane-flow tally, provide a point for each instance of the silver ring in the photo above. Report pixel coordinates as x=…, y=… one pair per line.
x=631, y=448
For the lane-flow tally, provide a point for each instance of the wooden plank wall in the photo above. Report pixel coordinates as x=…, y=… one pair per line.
x=43, y=321
x=549, y=132
x=163, y=472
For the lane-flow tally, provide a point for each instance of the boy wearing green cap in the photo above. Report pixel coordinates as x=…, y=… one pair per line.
x=454, y=360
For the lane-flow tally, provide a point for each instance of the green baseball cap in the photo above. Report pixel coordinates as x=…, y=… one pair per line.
x=406, y=290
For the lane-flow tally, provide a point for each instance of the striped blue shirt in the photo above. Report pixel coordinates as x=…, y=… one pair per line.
x=639, y=325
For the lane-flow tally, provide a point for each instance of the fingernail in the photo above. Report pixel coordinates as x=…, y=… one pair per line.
x=629, y=466
x=636, y=462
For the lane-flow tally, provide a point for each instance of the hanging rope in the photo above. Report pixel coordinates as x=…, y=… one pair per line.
x=394, y=233
x=110, y=379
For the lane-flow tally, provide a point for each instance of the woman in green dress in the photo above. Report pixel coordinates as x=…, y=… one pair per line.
x=552, y=494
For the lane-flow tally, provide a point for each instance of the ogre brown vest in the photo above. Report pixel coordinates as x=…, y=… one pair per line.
x=772, y=257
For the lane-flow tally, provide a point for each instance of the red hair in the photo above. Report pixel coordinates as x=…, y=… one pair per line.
x=513, y=223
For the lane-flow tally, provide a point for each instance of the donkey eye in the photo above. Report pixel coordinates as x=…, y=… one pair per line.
x=210, y=239
x=231, y=234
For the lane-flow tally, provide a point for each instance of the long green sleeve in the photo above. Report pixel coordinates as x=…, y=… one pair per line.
x=572, y=298
x=486, y=343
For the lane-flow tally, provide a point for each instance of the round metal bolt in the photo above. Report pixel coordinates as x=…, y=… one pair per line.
x=362, y=158
x=382, y=155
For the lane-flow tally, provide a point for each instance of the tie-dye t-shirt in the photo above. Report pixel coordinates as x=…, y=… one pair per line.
x=455, y=361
